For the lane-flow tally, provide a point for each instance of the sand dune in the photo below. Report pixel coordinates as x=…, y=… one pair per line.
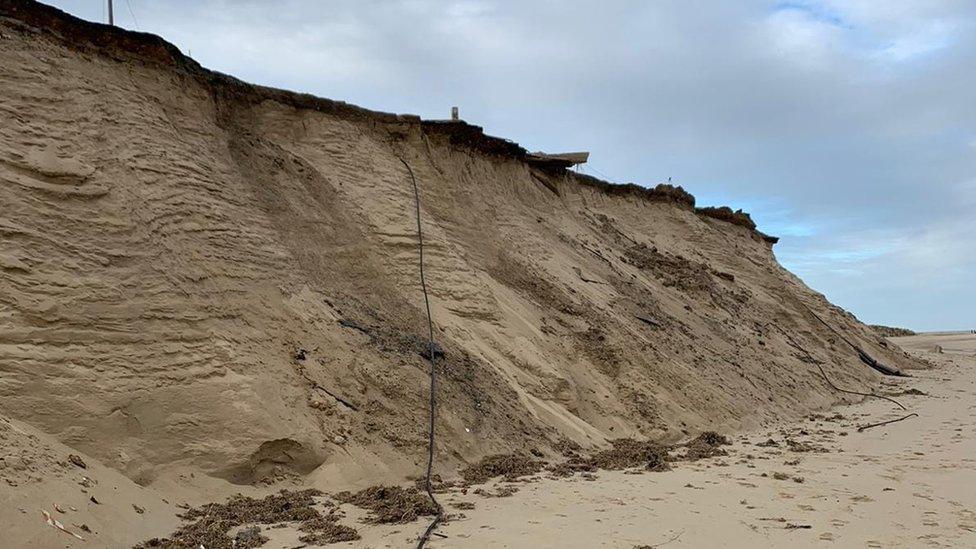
x=208, y=287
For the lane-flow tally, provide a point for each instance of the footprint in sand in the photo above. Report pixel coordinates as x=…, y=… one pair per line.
x=874, y=544
x=827, y=536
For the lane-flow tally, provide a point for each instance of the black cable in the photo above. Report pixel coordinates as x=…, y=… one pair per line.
x=863, y=428
x=831, y=328
x=836, y=388
x=432, y=408
x=861, y=353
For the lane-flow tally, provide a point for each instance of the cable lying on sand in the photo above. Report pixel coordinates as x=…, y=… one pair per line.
x=863, y=428
x=432, y=408
x=838, y=389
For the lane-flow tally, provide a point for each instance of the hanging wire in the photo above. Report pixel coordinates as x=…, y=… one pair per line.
x=432, y=403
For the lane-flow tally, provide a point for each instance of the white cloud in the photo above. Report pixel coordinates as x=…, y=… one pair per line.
x=798, y=36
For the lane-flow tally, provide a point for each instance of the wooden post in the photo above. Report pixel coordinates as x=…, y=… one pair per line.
x=454, y=114
x=111, y=15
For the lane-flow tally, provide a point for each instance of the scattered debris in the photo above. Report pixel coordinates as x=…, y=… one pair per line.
x=801, y=447
x=391, y=504
x=821, y=417
x=138, y=509
x=911, y=391
x=624, y=453
x=249, y=537
x=628, y=452
x=76, y=459
x=54, y=523
x=509, y=466
x=706, y=445
x=210, y=524
x=501, y=492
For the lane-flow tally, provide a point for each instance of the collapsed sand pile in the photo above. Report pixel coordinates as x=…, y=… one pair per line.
x=198, y=274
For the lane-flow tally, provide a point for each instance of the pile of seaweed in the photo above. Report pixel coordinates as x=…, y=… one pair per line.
x=209, y=524
x=391, y=504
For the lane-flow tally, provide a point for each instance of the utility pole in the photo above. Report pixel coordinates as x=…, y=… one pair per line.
x=111, y=16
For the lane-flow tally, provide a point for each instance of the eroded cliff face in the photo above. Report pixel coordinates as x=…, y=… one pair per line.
x=199, y=273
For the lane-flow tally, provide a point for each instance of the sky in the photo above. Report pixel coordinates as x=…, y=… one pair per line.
x=846, y=127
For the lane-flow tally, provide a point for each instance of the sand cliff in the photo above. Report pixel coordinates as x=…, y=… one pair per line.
x=201, y=274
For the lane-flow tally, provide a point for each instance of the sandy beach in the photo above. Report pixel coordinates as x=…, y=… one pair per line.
x=907, y=484
x=237, y=316
x=818, y=482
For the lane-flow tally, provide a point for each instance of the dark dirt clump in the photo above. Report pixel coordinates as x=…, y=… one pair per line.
x=912, y=391
x=725, y=213
x=210, y=523
x=706, y=445
x=509, y=466
x=391, y=504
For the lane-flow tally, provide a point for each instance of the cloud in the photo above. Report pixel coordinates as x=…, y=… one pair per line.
x=844, y=125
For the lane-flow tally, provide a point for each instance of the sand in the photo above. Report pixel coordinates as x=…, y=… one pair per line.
x=208, y=287
x=909, y=484
x=204, y=276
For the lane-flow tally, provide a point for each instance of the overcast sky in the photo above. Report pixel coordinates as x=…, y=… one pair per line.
x=847, y=127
